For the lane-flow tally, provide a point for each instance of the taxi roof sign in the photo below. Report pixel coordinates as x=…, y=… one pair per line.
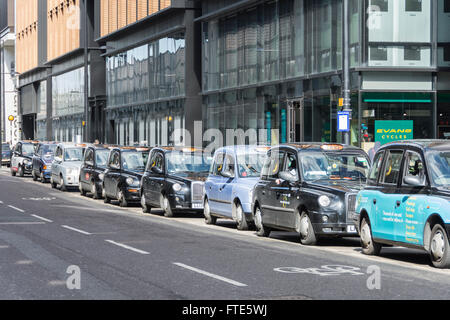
x=332, y=147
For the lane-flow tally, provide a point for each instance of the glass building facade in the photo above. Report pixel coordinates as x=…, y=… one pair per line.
x=68, y=106
x=277, y=67
x=146, y=92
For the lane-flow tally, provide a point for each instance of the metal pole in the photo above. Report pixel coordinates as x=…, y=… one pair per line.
x=346, y=66
x=86, y=127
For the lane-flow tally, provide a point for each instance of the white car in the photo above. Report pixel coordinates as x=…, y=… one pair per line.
x=66, y=165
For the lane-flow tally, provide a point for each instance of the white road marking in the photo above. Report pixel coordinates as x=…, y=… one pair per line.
x=17, y=209
x=44, y=219
x=77, y=230
x=235, y=283
x=1, y=202
x=20, y=223
x=127, y=247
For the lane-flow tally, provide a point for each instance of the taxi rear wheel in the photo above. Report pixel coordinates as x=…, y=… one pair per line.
x=439, y=248
x=209, y=219
x=144, y=205
x=305, y=229
x=261, y=229
x=240, y=218
x=369, y=247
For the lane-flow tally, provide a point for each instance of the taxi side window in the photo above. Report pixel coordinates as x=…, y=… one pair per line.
x=414, y=166
x=276, y=163
x=114, y=160
x=392, y=166
x=229, y=164
x=159, y=161
x=377, y=163
x=218, y=164
x=291, y=165
x=89, y=157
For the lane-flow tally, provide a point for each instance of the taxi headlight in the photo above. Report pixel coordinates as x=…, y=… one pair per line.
x=132, y=182
x=324, y=201
x=26, y=161
x=177, y=187
x=101, y=176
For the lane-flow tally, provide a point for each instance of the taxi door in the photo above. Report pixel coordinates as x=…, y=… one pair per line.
x=271, y=194
x=412, y=200
x=287, y=193
x=387, y=208
x=225, y=186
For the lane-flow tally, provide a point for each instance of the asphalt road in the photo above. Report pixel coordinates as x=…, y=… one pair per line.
x=48, y=238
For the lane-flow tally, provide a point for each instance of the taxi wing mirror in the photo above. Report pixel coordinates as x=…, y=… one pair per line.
x=227, y=174
x=414, y=181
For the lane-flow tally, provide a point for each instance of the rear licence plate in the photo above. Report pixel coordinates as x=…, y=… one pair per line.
x=351, y=229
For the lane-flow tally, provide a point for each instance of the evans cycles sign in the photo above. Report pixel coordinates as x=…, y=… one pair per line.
x=388, y=131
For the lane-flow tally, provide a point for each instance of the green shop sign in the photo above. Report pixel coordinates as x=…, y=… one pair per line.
x=393, y=130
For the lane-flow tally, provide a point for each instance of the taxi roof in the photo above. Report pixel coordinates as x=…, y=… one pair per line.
x=425, y=144
x=245, y=148
x=131, y=149
x=320, y=146
x=181, y=149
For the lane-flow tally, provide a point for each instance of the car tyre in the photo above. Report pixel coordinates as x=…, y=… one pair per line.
x=144, y=205
x=94, y=191
x=61, y=183
x=439, y=247
x=306, y=230
x=368, y=245
x=261, y=229
x=240, y=218
x=21, y=172
x=122, y=200
x=165, y=205
x=209, y=219
x=53, y=183
x=43, y=180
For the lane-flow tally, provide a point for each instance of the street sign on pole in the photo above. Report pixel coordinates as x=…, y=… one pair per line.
x=343, y=118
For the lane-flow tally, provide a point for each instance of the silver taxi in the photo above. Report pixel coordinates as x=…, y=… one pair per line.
x=66, y=165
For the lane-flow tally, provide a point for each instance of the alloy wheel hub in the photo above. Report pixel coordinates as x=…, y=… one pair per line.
x=438, y=246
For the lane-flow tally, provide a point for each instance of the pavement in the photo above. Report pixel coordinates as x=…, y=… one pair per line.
x=60, y=245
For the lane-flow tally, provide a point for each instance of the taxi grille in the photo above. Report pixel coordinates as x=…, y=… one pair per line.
x=351, y=206
x=197, y=191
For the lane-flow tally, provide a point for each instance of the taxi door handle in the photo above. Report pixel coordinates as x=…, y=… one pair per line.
x=398, y=203
x=264, y=192
x=374, y=201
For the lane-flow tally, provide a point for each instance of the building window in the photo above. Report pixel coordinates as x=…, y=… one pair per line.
x=447, y=6
x=380, y=5
x=412, y=53
x=378, y=54
x=413, y=6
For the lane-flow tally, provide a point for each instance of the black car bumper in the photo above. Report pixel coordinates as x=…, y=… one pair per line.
x=335, y=229
x=132, y=194
x=179, y=202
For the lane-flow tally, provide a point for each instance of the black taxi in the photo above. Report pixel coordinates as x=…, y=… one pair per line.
x=174, y=179
x=310, y=188
x=22, y=157
x=122, y=177
x=93, y=169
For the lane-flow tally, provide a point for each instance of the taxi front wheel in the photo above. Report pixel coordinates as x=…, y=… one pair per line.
x=369, y=247
x=306, y=230
x=439, y=247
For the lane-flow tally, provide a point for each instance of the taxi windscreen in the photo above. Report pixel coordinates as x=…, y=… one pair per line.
x=439, y=167
x=135, y=160
x=178, y=161
x=250, y=164
x=325, y=166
